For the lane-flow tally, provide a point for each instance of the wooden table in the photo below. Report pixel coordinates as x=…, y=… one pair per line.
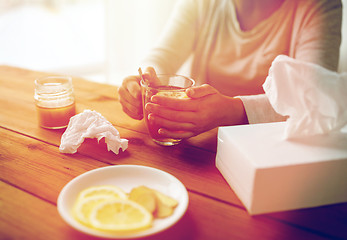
x=33, y=172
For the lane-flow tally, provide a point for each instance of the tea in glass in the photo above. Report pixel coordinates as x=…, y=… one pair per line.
x=170, y=86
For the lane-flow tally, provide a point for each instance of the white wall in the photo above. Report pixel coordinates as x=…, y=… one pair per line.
x=65, y=37
x=343, y=48
x=133, y=27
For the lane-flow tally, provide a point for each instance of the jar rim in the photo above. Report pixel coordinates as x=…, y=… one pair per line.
x=56, y=79
x=53, y=84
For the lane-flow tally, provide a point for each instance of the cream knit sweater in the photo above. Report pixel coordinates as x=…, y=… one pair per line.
x=236, y=62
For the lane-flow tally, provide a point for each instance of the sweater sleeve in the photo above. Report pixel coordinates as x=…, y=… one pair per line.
x=259, y=109
x=317, y=33
x=317, y=40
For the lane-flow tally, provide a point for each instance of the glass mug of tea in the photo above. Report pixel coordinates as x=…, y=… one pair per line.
x=165, y=85
x=55, y=101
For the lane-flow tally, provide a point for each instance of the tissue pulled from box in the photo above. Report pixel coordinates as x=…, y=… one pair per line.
x=314, y=98
x=91, y=124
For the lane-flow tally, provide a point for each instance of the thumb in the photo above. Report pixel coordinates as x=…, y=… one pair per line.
x=201, y=91
x=134, y=89
x=151, y=76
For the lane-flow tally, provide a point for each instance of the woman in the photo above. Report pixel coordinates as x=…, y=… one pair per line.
x=233, y=43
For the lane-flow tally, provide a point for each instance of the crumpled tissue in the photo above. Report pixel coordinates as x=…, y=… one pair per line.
x=91, y=124
x=314, y=98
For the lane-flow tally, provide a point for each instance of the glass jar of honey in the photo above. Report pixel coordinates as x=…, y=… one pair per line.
x=55, y=101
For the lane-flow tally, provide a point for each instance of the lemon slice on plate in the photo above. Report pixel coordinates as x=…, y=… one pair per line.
x=90, y=197
x=103, y=190
x=125, y=176
x=84, y=207
x=120, y=215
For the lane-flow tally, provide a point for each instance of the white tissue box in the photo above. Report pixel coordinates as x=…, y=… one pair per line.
x=270, y=174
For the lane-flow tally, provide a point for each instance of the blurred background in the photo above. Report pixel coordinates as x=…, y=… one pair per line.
x=100, y=40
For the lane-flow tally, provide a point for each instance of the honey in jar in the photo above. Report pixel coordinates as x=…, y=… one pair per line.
x=55, y=102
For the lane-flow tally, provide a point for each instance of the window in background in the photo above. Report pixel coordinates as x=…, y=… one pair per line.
x=66, y=37
x=100, y=40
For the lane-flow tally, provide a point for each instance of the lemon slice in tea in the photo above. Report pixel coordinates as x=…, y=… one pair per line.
x=172, y=94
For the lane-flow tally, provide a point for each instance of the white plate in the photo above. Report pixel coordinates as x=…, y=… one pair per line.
x=125, y=177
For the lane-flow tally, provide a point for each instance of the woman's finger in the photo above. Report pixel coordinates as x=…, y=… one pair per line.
x=183, y=104
x=151, y=76
x=131, y=85
x=175, y=134
x=168, y=124
x=171, y=114
x=134, y=111
x=126, y=98
x=201, y=91
x=133, y=114
x=130, y=97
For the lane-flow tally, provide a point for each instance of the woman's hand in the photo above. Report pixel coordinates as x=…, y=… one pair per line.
x=205, y=109
x=130, y=93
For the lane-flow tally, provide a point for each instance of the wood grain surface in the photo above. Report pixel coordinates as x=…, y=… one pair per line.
x=33, y=172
